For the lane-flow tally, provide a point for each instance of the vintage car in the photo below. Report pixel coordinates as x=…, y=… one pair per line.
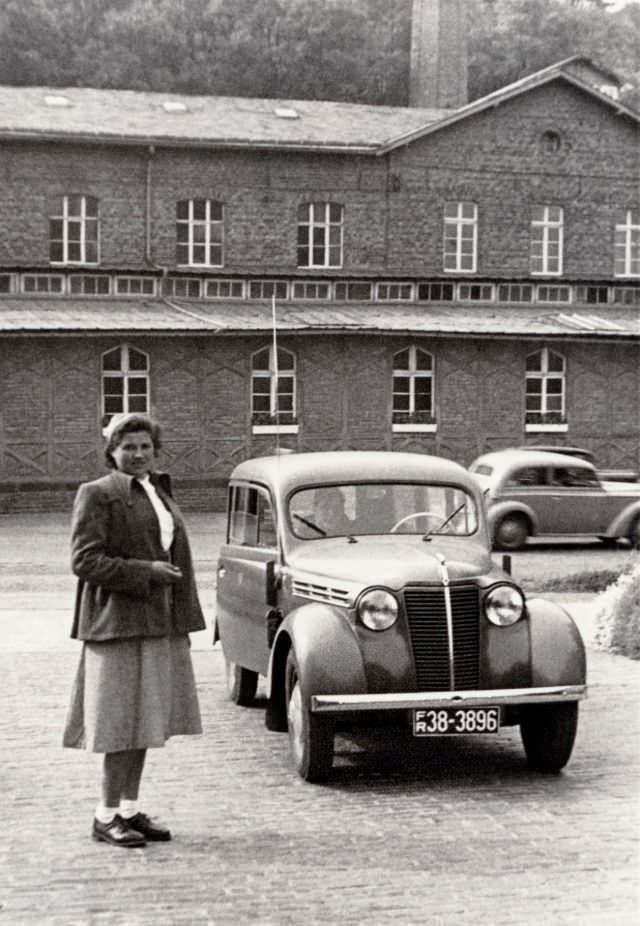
x=533, y=493
x=361, y=585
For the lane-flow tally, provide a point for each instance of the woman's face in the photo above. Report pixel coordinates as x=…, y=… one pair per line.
x=134, y=454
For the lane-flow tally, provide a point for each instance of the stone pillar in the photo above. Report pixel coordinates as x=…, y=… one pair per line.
x=438, y=67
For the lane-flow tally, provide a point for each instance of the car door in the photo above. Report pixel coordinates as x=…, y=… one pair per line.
x=242, y=570
x=528, y=484
x=579, y=501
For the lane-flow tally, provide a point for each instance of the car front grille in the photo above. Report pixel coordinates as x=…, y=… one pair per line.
x=427, y=619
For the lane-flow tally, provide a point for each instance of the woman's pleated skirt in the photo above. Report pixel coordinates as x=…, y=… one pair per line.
x=132, y=694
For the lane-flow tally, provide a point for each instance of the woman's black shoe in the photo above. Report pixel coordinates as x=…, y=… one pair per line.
x=118, y=833
x=154, y=832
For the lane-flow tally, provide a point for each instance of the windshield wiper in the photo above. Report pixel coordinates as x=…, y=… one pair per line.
x=436, y=530
x=305, y=521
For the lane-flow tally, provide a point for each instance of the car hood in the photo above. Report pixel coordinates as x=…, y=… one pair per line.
x=392, y=561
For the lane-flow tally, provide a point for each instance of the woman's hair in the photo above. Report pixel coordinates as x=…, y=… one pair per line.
x=125, y=424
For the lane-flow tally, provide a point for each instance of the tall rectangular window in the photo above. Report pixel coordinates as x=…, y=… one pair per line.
x=73, y=231
x=547, y=230
x=460, y=237
x=199, y=233
x=627, y=243
x=273, y=386
x=320, y=227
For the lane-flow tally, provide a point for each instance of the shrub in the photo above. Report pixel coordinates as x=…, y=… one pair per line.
x=618, y=613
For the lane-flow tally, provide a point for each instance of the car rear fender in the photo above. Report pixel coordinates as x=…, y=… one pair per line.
x=621, y=524
x=327, y=652
x=558, y=654
x=498, y=510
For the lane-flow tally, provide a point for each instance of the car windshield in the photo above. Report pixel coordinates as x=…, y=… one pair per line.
x=349, y=510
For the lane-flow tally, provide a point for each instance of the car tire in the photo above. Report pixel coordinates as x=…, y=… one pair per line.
x=242, y=683
x=310, y=736
x=634, y=534
x=548, y=734
x=511, y=532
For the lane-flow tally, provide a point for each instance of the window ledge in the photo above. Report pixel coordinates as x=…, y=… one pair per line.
x=546, y=428
x=274, y=428
x=415, y=428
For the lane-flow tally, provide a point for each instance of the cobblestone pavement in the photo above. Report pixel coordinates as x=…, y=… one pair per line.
x=438, y=834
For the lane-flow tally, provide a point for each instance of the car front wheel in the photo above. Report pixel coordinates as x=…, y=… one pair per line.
x=242, y=683
x=634, y=534
x=512, y=532
x=548, y=733
x=310, y=736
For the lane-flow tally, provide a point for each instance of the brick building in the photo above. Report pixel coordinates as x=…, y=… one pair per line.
x=444, y=280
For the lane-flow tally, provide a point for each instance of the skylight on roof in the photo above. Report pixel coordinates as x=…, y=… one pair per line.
x=57, y=99
x=286, y=112
x=175, y=106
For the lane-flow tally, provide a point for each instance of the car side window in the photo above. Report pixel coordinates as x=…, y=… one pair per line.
x=528, y=476
x=251, y=519
x=574, y=477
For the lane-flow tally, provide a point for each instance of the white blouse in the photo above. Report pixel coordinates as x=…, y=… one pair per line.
x=165, y=518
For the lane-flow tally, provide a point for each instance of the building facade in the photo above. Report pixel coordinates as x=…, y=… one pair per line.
x=445, y=281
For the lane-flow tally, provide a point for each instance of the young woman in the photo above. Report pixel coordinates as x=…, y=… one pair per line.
x=135, y=606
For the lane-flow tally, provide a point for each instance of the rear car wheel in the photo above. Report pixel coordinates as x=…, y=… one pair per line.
x=242, y=683
x=634, y=534
x=511, y=532
x=548, y=733
x=310, y=736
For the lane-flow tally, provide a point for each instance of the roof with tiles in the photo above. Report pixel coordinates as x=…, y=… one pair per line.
x=96, y=316
x=129, y=116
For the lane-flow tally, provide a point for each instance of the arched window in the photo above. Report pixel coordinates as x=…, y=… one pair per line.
x=320, y=228
x=125, y=381
x=545, y=388
x=273, y=387
x=413, y=392
x=73, y=231
x=200, y=233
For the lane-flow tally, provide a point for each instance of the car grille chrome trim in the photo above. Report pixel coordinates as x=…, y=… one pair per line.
x=444, y=628
x=324, y=593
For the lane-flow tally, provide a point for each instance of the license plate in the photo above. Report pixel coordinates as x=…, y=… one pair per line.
x=455, y=721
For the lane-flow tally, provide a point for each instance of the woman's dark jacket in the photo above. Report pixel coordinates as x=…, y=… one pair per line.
x=115, y=536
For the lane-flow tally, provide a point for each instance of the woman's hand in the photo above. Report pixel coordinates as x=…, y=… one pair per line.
x=164, y=573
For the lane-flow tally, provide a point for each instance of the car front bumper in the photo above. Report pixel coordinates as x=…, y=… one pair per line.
x=506, y=697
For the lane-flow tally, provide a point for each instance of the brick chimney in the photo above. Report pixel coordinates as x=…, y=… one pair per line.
x=438, y=68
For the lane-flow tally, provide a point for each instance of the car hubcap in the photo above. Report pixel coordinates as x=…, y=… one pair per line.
x=294, y=716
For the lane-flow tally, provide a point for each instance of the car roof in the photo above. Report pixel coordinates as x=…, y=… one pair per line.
x=503, y=459
x=564, y=450
x=294, y=469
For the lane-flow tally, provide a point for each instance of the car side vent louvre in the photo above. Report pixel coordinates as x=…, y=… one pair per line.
x=338, y=596
x=427, y=620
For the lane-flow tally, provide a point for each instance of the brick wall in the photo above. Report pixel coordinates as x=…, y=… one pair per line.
x=393, y=205
x=200, y=391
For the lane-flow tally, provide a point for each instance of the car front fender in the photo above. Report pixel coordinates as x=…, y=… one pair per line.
x=621, y=524
x=499, y=510
x=327, y=652
x=558, y=655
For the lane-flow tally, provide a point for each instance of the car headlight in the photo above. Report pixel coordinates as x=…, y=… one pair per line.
x=378, y=609
x=504, y=605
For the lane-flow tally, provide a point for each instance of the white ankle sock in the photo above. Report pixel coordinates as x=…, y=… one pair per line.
x=128, y=809
x=105, y=814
